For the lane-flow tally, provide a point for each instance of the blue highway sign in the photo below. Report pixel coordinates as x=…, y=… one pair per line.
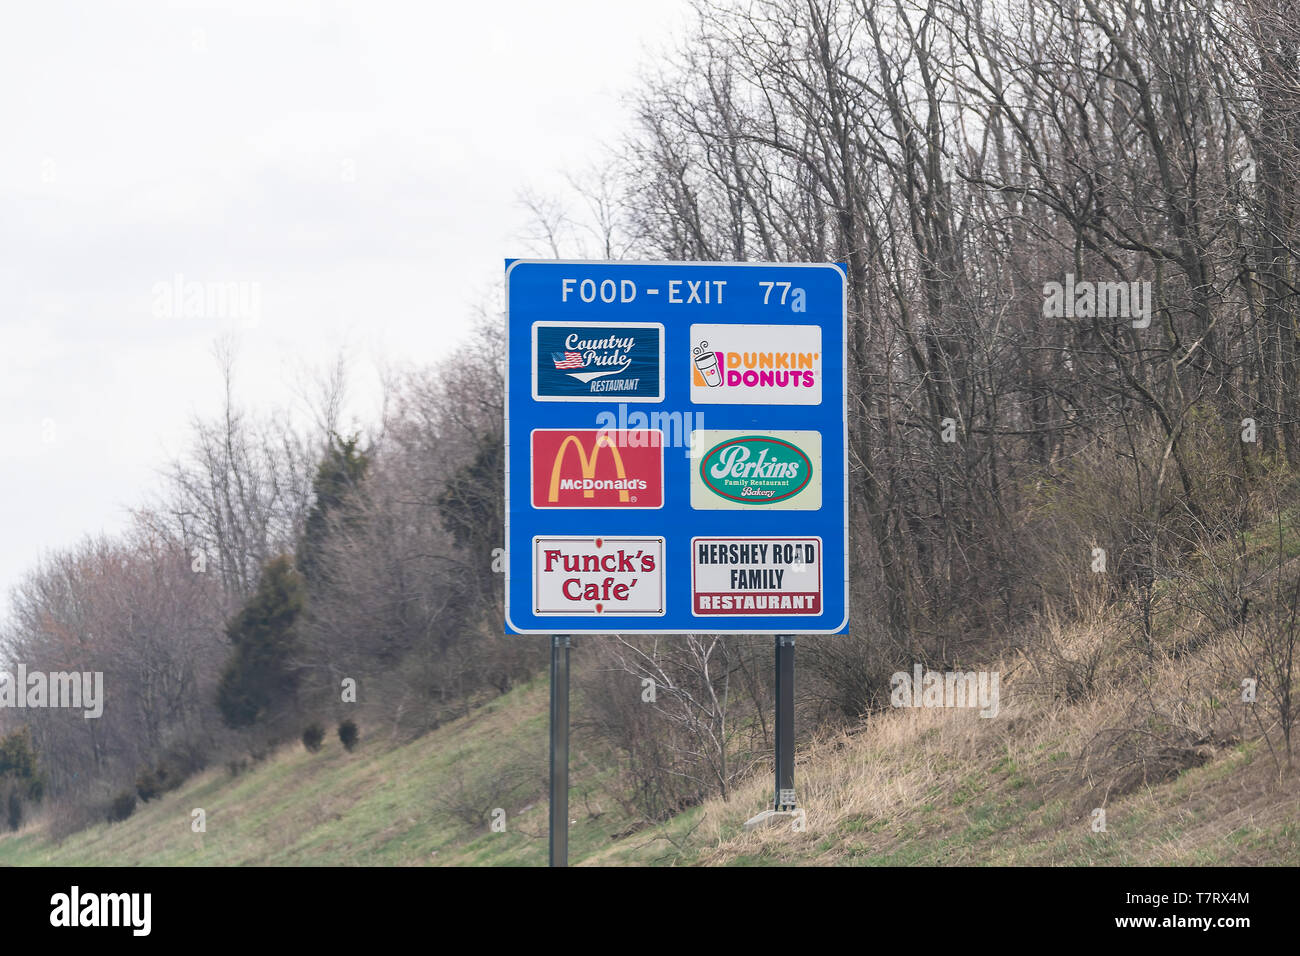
x=676, y=448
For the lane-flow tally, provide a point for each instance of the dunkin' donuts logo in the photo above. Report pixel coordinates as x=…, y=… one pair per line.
x=756, y=364
x=597, y=468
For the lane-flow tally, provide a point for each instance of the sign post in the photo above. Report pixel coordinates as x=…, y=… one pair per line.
x=676, y=461
x=559, y=842
x=784, y=743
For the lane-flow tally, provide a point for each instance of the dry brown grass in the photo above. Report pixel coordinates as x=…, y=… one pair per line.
x=1158, y=742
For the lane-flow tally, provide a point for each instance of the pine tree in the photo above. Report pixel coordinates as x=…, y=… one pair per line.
x=337, y=476
x=259, y=674
x=20, y=777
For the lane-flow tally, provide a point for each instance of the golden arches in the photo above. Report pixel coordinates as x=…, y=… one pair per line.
x=588, y=465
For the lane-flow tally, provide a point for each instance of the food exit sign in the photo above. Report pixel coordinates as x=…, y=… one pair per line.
x=676, y=448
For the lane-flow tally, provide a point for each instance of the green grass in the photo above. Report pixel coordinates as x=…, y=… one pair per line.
x=380, y=805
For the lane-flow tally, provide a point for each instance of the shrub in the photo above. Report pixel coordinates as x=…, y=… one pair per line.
x=123, y=806
x=18, y=765
x=259, y=674
x=186, y=759
x=15, y=809
x=147, y=785
x=237, y=765
x=348, y=734
x=169, y=778
x=71, y=815
x=313, y=737
x=163, y=778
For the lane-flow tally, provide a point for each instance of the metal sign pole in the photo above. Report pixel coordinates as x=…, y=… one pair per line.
x=559, y=843
x=784, y=722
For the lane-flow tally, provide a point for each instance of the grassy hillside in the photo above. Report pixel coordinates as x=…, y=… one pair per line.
x=382, y=804
x=905, y=787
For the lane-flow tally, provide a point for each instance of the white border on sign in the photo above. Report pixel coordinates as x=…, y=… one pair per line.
x=758, y=537
x=532, y=474
x=663, y=338
x=663, y=572
x=844, y=387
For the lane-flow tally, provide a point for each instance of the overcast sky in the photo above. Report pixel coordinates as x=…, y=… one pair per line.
x=355, y=166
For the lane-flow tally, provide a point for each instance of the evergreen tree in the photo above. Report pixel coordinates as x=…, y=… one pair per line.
x=471, y=507
x=260, y=674
x=337, y=476
x=471, y=503
x=20, y=778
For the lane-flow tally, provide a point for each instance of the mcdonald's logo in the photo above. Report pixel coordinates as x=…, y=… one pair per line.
x=597, y=468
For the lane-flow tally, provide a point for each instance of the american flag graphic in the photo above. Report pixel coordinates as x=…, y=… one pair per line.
x=567, y=359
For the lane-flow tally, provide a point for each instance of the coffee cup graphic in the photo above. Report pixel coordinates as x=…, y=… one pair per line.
x=706, y=361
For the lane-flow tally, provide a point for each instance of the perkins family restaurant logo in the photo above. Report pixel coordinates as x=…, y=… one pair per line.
x=598, y=360
x=756, y=576
x=598, y=575
x=598, y=468
x=777, y=470
x=756, y=364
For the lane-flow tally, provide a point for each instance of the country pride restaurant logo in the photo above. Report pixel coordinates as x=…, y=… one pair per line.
x=597, y=468
x=597, y=360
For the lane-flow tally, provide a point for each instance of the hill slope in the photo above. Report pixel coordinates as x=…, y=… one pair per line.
x=911, y=786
